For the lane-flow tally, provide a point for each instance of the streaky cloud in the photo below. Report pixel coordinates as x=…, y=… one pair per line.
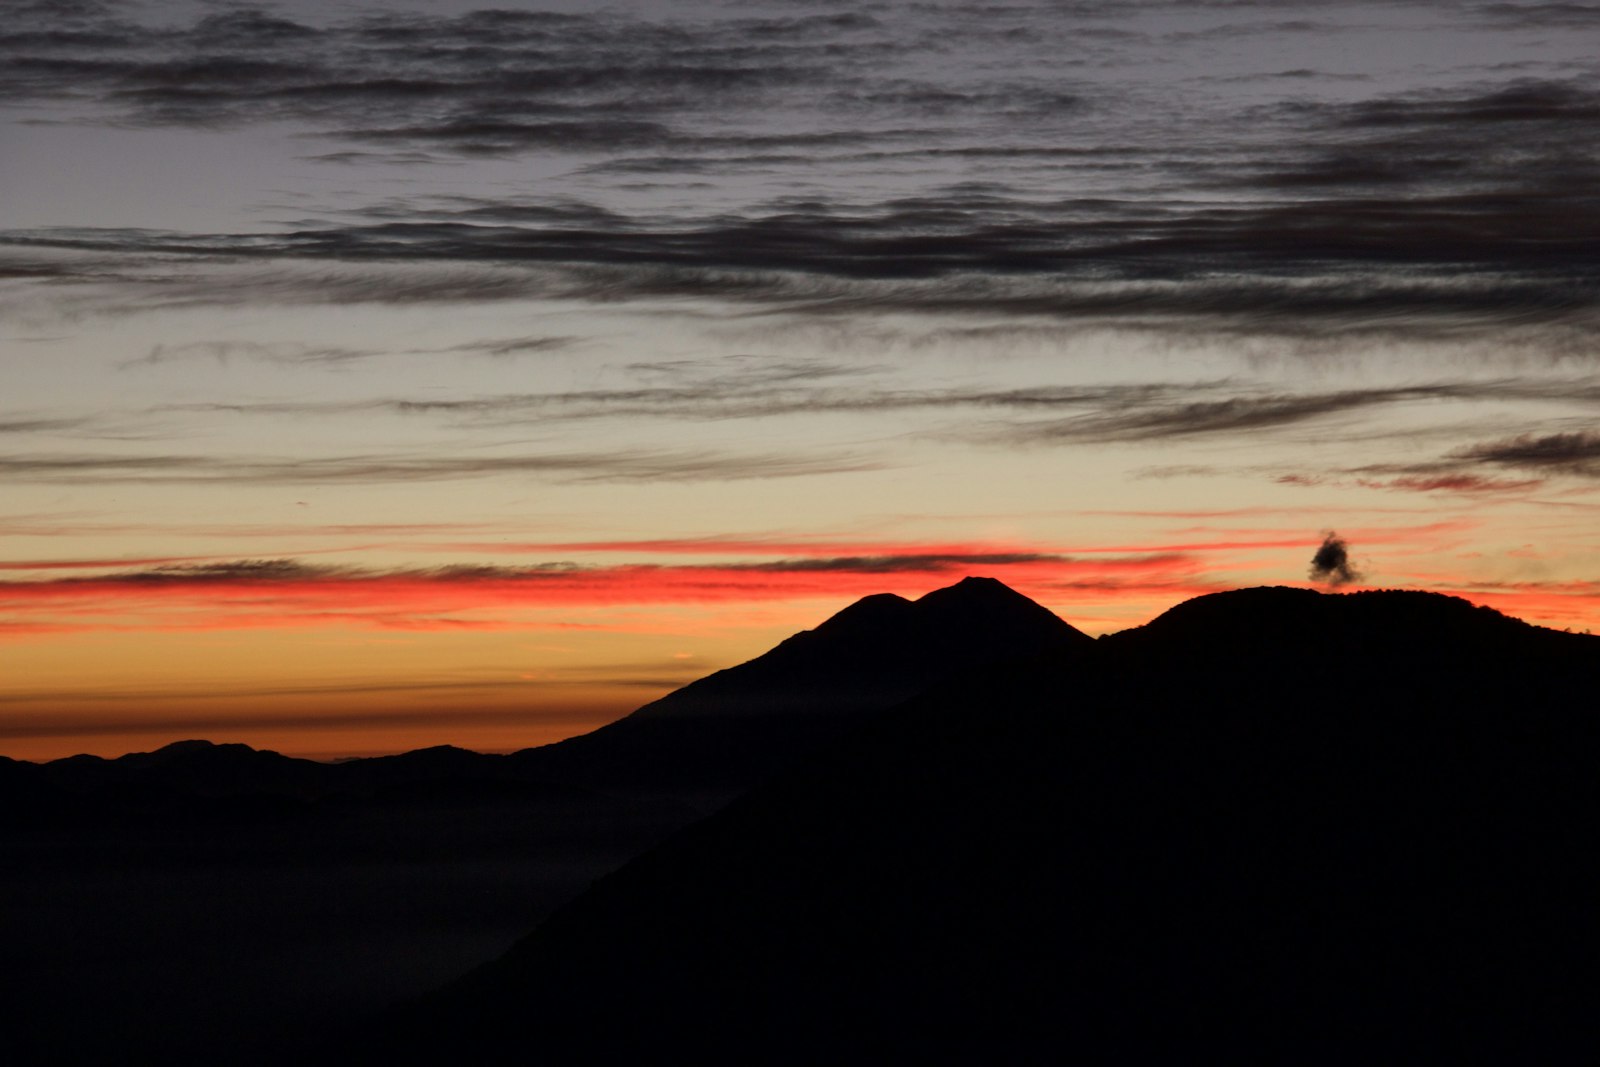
x=287, y=593
x=514, y=346
x=1443, y=269
x=1574, y=454
x=1105, y=412
x=1163, y=412
x=1454, y=483
x=634, y=466
x=271, y=352
x=39, y=425
x=1563, y=453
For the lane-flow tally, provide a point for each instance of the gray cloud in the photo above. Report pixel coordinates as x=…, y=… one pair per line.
x=1540, y=16
x=1426, y=212
x=482, y=82
x=1559, y=453
x=1538, y=457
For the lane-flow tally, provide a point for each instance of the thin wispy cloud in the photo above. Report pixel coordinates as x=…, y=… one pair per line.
x=513, y=346
x=290, y=353
x=1146, y=411
x=223, y=352
x=622, y=466
x=1453, y=483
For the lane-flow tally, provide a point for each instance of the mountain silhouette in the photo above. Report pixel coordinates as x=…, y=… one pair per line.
x=714, y=736
x=1270, y=825
x=719, y=735
x=252, y=895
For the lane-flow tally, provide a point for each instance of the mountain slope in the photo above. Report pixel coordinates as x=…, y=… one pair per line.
x=252, y=897
x=719, y=735
x=1271, y=824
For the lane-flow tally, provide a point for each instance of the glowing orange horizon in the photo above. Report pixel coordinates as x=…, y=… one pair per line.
x=354, y=659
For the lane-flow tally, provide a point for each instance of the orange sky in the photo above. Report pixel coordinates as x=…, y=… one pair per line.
x=325, y=659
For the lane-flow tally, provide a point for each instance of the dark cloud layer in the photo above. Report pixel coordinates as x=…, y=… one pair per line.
x=1440, y=264
x=1447, y=208
x=479, y=83
x=1541, y=16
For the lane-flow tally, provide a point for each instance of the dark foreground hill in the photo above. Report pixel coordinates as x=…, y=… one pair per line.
x=211, y=902
x=1272, y=825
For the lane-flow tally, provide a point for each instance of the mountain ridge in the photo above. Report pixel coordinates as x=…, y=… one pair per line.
x=1269, y=824
x=863, y=615
x=813, y=685
x=721, y=733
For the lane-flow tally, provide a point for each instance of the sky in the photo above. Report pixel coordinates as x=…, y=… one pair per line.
x=381, y=375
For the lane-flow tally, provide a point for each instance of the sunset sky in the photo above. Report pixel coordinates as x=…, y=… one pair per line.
x=380, y=375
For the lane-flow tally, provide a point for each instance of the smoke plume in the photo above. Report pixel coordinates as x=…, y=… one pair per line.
x=1331, y=564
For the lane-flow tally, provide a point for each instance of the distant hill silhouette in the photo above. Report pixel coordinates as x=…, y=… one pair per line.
x=1271, y=825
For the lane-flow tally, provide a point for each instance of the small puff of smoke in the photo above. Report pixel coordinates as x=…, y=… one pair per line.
x=1331, y=564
